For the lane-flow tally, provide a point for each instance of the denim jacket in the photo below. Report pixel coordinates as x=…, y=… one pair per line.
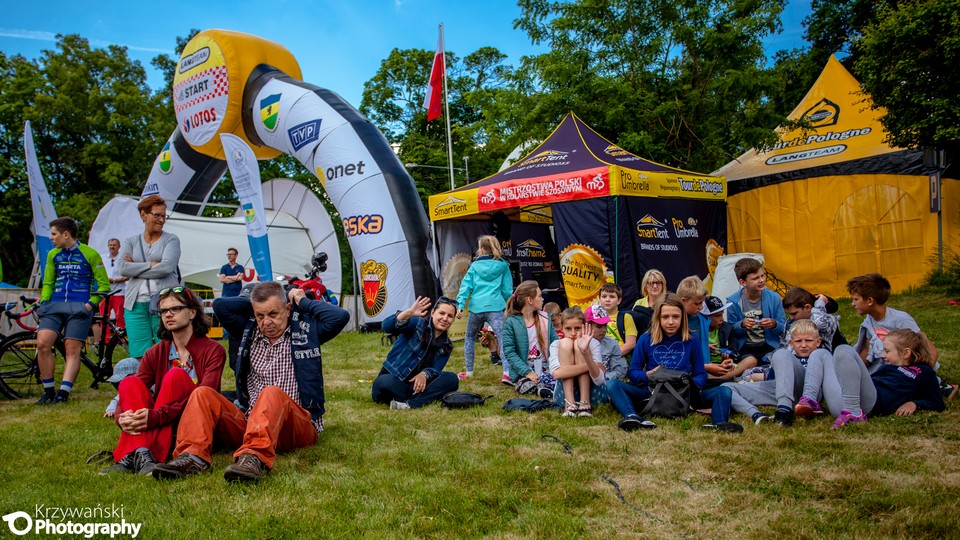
x=413, y=338
x=312, y=323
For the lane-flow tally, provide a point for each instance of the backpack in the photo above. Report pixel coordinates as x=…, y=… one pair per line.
x=641, y=319
x=669, y=394
x=462, y=400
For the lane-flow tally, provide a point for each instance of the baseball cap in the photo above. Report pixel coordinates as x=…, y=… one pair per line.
x=596, y=315
x=124, y=368
x=712, y=305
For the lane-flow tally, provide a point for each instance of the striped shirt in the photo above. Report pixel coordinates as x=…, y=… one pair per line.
x=272, y=365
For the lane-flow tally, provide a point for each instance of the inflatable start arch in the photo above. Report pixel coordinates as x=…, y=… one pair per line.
x=229, y=82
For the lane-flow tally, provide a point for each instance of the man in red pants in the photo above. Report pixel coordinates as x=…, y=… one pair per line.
x=184, y=359
x=279, y=385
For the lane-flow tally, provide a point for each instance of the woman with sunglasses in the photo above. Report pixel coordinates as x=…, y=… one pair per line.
x=412, y=375
x=150, y=260
x=152, y=401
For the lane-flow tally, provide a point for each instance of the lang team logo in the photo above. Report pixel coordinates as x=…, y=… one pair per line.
x=165, y=164
x=374, y=275
x=269, y=111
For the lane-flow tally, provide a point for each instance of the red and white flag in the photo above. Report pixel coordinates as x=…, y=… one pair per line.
x=432, y=101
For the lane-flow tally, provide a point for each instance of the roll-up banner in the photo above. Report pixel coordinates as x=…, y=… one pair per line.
x=246, y=178
x=43, y=211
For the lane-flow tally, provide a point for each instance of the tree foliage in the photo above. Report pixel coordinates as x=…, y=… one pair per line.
x=907, y=62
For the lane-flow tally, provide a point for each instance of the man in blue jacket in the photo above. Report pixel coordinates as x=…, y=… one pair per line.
x=279, y=385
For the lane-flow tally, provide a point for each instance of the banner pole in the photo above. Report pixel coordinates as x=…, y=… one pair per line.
x=446, y=108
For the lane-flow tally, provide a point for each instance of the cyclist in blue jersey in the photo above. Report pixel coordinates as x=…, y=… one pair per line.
x=72, y=271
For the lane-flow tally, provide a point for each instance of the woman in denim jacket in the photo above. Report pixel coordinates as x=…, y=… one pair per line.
x=412, y=375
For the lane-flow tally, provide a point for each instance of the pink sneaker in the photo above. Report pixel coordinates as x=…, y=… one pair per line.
x=464, y=375
x=506, y=380
x=807, y=408
x=847, y=417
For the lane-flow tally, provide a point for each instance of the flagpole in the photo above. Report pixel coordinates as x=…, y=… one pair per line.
x=446, y=108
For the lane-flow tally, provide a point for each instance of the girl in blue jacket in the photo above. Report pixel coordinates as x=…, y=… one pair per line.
x=487, y=286
x=670, y=345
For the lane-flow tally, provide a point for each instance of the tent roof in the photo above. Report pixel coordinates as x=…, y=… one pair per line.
x=843, y=128
x=574, y=162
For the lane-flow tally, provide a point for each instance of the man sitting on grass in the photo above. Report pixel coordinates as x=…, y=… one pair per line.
x=279, y=385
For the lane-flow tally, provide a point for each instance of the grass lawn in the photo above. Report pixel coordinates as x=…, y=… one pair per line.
x=437, y=473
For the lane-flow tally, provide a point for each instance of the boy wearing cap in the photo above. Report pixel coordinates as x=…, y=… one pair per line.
x=123, y=369
x=724, y=361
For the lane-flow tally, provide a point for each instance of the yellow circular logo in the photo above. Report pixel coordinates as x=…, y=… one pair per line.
x=584, y=272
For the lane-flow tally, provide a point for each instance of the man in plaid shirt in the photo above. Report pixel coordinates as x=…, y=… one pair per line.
x=279, y=385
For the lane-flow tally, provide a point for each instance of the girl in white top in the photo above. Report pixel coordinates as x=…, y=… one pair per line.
x=575, y=358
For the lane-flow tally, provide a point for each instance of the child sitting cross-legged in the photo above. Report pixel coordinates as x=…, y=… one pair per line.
x=583, y=360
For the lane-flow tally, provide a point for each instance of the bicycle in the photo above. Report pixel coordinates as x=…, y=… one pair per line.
x=19, y=372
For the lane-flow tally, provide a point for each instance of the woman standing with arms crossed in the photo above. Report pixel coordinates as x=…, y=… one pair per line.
x=150, y=260
x=487, y=286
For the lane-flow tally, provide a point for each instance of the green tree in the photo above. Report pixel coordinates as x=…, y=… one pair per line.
x=683, y=83
x=907, y=62
x=97, y=128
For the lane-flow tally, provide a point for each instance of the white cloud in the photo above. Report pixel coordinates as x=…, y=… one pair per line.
x=40, y=35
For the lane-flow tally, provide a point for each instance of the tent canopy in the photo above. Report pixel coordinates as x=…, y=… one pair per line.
x=573, y=163
x=831, y=200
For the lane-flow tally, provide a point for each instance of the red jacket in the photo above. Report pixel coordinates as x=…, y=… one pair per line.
x=208, y=360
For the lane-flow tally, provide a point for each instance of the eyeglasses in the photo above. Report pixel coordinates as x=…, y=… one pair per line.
x=173, y=310
x=445, y=300
x=169, y=290
x=657, y=283
x=158, y=215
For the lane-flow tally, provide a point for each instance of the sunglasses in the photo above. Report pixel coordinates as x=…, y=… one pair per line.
x=445, y=300
x=173, y=310
x=168, y=290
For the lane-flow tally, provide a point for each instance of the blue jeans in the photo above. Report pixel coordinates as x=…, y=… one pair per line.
x=386, y=387
x=718, y=399
x=625, y=397
x=474, y=324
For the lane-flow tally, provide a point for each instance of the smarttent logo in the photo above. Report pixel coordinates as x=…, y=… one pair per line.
x=650, y=227
x=530, y=249
x=450, y=205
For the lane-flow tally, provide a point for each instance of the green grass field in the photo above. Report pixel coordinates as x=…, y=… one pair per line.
x=484, y=472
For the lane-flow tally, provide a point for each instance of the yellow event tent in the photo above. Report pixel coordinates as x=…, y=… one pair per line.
x=833, y=201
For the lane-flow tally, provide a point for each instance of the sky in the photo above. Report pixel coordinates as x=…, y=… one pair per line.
x=338, y=43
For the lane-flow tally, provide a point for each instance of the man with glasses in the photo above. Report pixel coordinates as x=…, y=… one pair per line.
x=279, y=385
x=152, y=401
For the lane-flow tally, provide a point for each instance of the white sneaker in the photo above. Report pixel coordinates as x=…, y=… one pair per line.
x=398, y=405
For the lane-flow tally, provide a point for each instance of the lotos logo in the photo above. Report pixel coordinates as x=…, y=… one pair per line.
x=374, y=276
x=650, y=227
x=304, y=134
x=269, y=110
x=824, y=113
x=489, y=198
x=165, y=159
x=195, y=59
x=199, y=118
x=358, y=225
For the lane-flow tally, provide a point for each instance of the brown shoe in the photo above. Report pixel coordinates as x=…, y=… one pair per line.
x=180, y=467
x=248, y=468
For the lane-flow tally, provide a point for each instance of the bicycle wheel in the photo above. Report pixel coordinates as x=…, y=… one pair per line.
x=118, y=347
x=18, y=365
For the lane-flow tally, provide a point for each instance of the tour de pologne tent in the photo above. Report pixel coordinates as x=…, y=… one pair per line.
x=615, y=215
x=836, y=201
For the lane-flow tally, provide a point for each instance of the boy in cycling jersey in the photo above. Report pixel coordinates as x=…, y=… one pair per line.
x=72, y=271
